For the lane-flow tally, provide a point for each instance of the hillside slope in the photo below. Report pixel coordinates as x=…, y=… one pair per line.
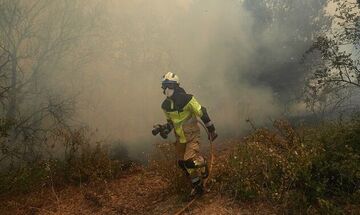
x=139, y=191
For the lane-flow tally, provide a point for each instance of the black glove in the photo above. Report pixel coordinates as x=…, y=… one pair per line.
x=212, y=135
x=164, y=130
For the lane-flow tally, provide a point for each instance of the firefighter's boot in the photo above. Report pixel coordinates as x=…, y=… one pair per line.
x=198, y=187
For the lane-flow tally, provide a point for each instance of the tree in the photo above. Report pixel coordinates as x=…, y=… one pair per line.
x=39, y=40
x=282, y=32
x=4, y=64
x=334, y=59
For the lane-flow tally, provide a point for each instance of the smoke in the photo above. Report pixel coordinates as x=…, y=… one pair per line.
x=239, y=59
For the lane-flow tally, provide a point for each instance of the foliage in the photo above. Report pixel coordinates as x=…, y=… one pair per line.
x=283, y=31
x=307, y=170
x=334, y=59
x=267, y=164
x=84, y=161
x=40, y=42
x=337, y=165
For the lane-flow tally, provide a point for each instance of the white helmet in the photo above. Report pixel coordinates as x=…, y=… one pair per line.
x=170, y=78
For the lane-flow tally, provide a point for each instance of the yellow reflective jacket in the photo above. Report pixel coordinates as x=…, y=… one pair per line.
x=179, y=110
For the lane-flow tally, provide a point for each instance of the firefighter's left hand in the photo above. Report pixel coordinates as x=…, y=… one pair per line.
x=212, y=136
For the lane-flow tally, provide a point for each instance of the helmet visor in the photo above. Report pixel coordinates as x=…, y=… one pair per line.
x=168, y=84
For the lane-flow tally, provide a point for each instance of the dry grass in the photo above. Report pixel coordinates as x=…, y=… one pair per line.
x=271, y=171
x=298, y=171
x=163, y=162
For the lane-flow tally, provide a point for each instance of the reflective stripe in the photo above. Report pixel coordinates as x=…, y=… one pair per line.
x=194, y=180
x=209, y=124
x=199, y=164
x=172, y=104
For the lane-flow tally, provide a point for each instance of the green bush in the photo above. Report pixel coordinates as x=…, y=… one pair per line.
x=266, y=165
x=307, y=170
x=337, y=168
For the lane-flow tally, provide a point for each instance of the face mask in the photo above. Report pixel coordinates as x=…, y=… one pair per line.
x=168, y=92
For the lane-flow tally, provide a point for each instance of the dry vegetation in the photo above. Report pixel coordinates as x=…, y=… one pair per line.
x=282, y=170
x=82, y=161
x=299, y=171
x=50, y=166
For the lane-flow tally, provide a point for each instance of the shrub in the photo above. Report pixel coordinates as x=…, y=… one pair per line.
x=23, y=178
x=267, y=163
x=84, y=161
x=307, y=170
x=163, y=162
x=337, y=168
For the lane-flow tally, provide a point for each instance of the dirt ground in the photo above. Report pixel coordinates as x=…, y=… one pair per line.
x=139, y=191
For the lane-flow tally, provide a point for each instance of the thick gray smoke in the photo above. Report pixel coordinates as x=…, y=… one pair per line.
x=239, y=58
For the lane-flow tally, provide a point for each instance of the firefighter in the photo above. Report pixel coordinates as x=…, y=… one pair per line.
x=182, y=111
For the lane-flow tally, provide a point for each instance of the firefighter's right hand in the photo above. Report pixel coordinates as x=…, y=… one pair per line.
x=162, y=129
x=156, y=129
